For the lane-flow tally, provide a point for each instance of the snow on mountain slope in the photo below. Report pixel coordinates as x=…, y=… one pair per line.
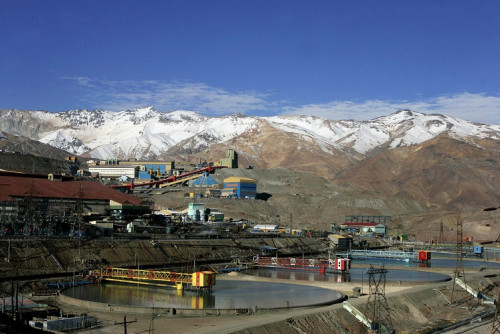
x=148, y=132
x=63, y=141
x=129, y=135
x=408, y=128
x=398, y=129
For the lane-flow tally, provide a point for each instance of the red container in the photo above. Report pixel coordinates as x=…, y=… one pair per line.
x=342, y=264
x=424, y=255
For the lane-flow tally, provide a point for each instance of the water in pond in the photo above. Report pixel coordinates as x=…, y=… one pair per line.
x=434, y=263
x=355, y=275
x=227, y=294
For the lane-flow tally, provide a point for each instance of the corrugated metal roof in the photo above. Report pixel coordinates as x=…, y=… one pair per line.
x=22, y=186
x=204, y=180
x=239, y=179
x=339, y=236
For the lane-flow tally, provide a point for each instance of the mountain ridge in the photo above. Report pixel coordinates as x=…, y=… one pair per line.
x=102, y=134
x=442, y=162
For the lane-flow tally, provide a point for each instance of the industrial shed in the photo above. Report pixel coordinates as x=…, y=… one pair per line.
x=244, y=187
x=365, y=228
x=114, y=171
x=205, y=180
x=38, y=199
x=340, y=241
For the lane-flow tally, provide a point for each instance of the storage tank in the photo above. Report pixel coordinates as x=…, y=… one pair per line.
x=194, y=210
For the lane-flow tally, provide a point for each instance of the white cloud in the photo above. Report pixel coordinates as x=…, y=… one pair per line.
x=81, y=81
x=202, y=98
x=472, y=107
x=123, y=95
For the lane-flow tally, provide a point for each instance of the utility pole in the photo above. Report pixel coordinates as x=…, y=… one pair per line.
x=459, y=269
x=124, y=323
x=441, y=232
x=377, y=306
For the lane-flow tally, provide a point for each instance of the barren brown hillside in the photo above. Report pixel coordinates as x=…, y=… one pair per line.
x=443, y=173
x=273, y=148
x=301, y=200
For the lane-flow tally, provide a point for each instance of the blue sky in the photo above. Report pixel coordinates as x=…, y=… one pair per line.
x=333, y=59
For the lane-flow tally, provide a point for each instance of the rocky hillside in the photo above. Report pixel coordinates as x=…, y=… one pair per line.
x=22, y=145
x=419, y=168
x=148, y=133
x=443, y=173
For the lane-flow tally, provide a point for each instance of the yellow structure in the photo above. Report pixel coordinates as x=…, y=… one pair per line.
x=202, y=280
x=236, y=179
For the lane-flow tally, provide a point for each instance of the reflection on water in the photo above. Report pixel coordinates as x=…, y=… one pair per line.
x=355, y=275
x=434, y=263
x=227, y=294
x=141, y=295
x=292, y=274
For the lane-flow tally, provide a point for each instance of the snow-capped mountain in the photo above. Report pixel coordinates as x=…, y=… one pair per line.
x=148, y=133
x=438, y=160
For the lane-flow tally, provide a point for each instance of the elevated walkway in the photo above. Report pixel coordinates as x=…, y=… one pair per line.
x=200, y=280
x=396, y=255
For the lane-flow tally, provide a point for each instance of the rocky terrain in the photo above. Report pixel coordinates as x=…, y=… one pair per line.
x=426, y=171
x=301, y=200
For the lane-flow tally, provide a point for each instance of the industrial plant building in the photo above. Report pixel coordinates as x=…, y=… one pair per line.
x=114, y=171
x=41, y=202
x=205, y=180
x=240, y=187
x=230, y=160
x=364, y=228
x=131, y=169
x=151, y=167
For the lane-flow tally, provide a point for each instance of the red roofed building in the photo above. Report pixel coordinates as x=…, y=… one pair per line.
x=37, y=199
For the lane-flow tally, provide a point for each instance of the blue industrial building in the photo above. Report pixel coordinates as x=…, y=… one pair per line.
x=144, y=175
x=245, y=187
x=205, y=180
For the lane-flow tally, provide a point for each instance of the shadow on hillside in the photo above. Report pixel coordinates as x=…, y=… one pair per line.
x=263, y=196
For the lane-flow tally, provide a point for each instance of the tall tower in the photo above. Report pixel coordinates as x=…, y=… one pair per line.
x=232, y=159
x=459, y=270
x=377, y=306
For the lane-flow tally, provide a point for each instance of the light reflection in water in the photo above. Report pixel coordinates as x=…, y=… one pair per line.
x=227, y=294
x=355, y=275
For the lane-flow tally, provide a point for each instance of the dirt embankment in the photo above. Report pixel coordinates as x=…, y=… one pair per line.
x=59, y=256
x=416, y=310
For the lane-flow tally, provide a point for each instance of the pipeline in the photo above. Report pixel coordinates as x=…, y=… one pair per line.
x=475, y=318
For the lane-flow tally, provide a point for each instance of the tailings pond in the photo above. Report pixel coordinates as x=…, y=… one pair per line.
x=434, y=263
x=227, y=294
x=355, y=275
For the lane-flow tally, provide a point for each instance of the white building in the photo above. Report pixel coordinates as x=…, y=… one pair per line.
x=377, y=229
x=114, y=171
x=266, y=228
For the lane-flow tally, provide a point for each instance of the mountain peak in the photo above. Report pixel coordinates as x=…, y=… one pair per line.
x=133, y=133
